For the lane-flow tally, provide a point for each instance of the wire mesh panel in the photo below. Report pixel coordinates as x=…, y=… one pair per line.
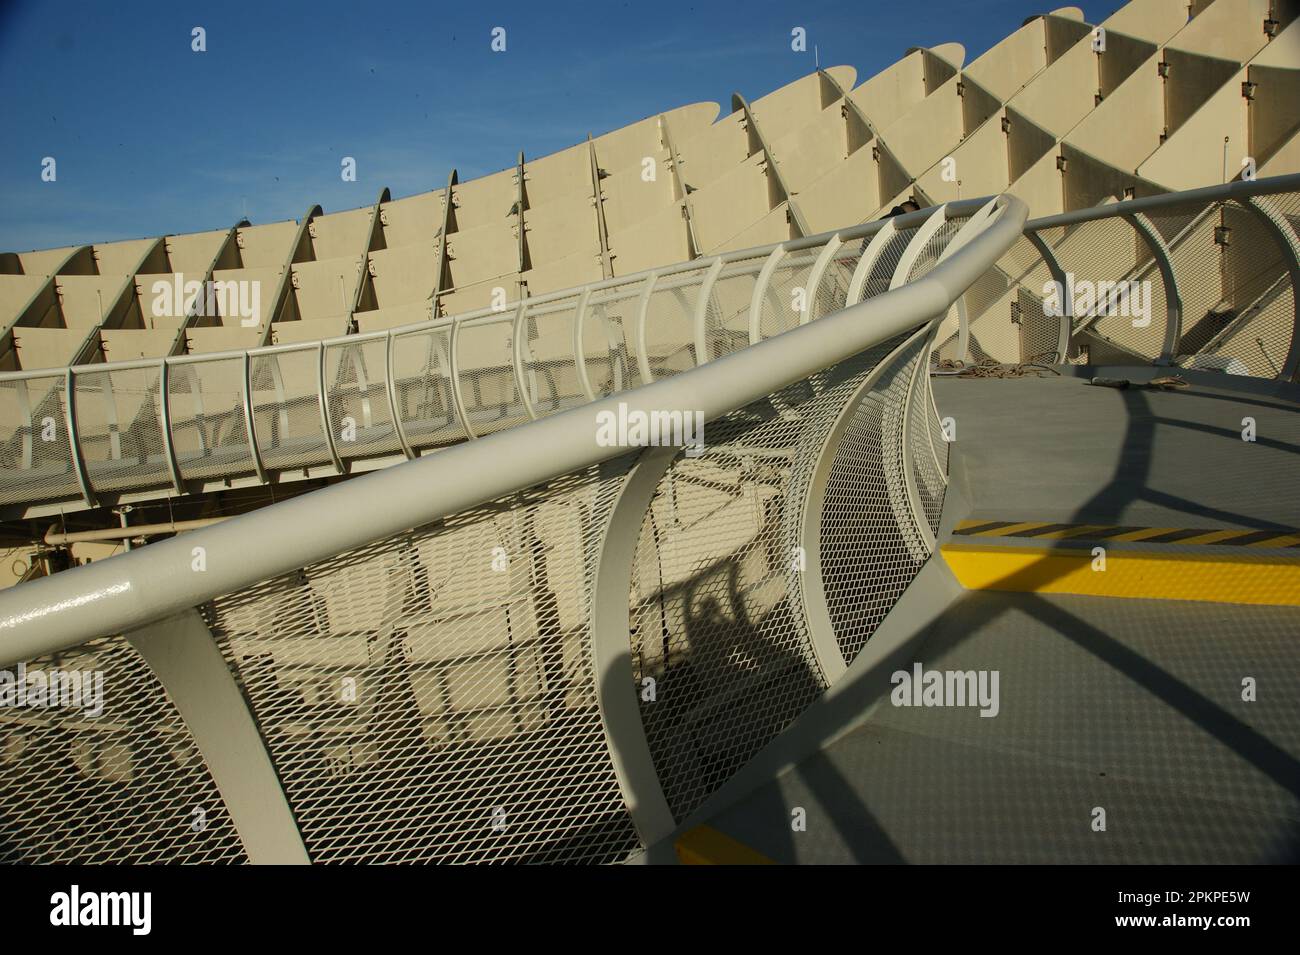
x=833, y=290
x=550, y=364
x=422, y=373
x=123, y=785
x=1188, y=231
x=118, y=425
x=431, y=697
x=928, y=257
x=717, y=621
x=485, y=357
x=609, y=338
x=670, y=323
x=286, y=407
x=782, y=301
x=882, y=269
x=1024, y=264
x=870, y=545
x=1255, y=320
x=1000, y=302
x=992, y=333
x=929, y=480
x=35, y=456
x=726, y=317
x=1118, y=292
x=356, y=379
x=209, y=433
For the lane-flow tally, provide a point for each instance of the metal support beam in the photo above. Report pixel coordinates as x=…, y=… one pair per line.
x=815, y=277
x=363, y=268
x=773, y=168
x=760, y=290
x=701, y=336
x=440, y=260
x=457, y=395
x=393, y=404
x=579, y=358
x=231, y=239
x=74, y=439
x=598, y=203
x=249, y=422
x=284, y=284
x=679, y=184
x=858, y=284
x=643, y=304
x=518, y=339
x=521, y=203
x=185, y=659
x=165, y=425
x=323, y=394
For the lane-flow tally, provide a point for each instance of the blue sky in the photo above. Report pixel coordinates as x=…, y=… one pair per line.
x=151, y=137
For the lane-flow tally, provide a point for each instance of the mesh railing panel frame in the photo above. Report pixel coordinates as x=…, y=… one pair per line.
x=119, y=423
x=422, y=376
x=126, y=787
x=550, y=369
x=867, y=519
x=474, y=735
x=286, y=408
x=209, y=433
x=46, y=472
x=716, y=602
x=778, y=311
x=356, y=379
x=1258, y=299
x=610, y=329
x=434, y=695
x=726, y=317
x=670, y=323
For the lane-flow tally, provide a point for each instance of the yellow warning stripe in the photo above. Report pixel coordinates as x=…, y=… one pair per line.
x=1238, y=578
x=1047, y=530
x=705, y=845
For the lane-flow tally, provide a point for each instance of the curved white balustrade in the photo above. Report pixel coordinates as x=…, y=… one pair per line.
x=467, y=647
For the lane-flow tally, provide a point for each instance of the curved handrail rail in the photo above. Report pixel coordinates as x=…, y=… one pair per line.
x=130, y=590
x=1164, y=253
x=261, y=451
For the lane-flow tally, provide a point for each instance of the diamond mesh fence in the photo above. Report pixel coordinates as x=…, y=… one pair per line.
x=871, y=545
x=434, y=696
x=119, y=426
x=717, y=609
x=286, y=409
x=431, y=697
x=35, y=453
x=98, y=767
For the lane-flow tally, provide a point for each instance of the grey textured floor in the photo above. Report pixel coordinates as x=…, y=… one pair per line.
x=1061, y=450
x=1132, y=706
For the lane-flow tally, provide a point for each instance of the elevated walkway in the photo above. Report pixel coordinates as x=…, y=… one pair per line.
x=1133, y=706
